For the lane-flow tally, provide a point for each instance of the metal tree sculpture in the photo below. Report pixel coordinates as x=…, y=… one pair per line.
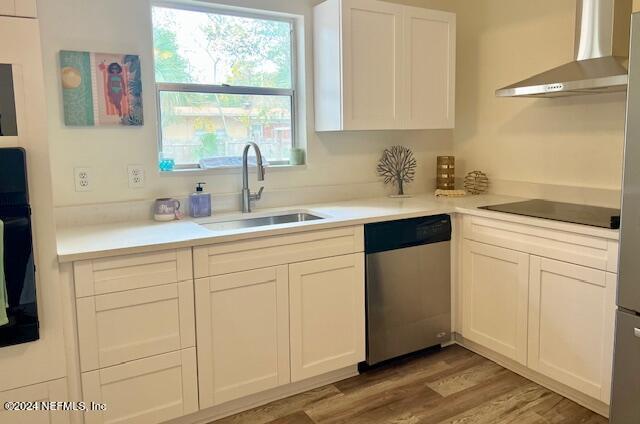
x=397, y=166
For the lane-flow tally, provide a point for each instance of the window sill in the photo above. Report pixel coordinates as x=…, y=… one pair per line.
x=230, y=170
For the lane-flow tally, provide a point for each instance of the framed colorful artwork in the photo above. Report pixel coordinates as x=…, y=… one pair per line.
x=101, y=89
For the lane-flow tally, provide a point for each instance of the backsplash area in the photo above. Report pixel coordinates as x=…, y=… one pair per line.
x=141, y=210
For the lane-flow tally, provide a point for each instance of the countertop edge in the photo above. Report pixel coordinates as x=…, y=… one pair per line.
x=332, y=223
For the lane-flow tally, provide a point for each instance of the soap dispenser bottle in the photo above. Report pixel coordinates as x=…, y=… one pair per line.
x=200, y=202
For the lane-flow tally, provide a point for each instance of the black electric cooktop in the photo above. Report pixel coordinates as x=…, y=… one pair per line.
x=566, y=212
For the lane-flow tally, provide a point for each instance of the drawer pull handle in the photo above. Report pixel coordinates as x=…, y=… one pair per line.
x=636, y=332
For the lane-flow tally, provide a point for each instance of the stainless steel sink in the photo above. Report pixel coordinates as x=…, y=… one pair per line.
x=285, y=218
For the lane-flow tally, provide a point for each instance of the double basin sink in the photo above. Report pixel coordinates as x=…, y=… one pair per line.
x=261, y=221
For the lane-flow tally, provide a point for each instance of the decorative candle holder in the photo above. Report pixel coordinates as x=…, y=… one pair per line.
x=446, y=173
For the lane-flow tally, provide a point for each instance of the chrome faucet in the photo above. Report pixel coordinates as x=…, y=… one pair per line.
x=247, y=197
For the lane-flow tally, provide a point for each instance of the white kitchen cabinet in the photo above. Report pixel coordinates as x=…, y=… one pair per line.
x=8, y=7
x=371, y=57
x=571, y=325
x=243, y=334
x=382, y=65
x=327, y=315
x=52, y=391
x=130, y=272
x=560, y=322
x=149, y=391
x=119, y=327
x=265, y=252
x=495, y=285
x=20, y=8
x=429, y=71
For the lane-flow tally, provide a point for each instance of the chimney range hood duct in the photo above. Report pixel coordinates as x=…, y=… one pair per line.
x=601, y=55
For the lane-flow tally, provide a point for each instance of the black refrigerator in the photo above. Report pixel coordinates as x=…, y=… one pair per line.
x=19, y=316
x=625, y=402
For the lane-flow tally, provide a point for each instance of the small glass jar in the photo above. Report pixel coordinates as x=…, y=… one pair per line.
x=297, y=156
x=166, y=163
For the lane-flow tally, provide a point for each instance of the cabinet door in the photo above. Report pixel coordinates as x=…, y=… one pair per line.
x=8, y=7
x=571, y=325
x=495, y=295
x=243, y=334
x=124, y=326
x=372, y=64
x=430, y=67
x=151, y=390
x=327, y=315
x=26, y=8
x=52, y=391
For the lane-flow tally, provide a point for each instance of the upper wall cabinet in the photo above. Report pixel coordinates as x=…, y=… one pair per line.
x=22, y=8
x=382, y=65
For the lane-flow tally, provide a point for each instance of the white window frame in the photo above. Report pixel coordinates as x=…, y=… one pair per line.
x=229, y=89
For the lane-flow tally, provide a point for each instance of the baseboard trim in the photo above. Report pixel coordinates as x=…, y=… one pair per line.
x=588, y=402
x=236, y=406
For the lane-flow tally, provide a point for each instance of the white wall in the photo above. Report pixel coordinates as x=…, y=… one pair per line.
x=123, y=26
x=574, y=141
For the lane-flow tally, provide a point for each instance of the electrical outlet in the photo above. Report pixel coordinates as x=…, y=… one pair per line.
x=82, y=178
x=136, y=176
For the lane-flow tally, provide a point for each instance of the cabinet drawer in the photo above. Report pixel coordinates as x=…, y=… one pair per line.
x=147, y=391
x=120, y=273
x=564, y=246
x=265, y=252
x=52, y=391
x=120, y=327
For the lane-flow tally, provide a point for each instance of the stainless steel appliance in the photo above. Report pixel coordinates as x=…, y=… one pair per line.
x=21, y=321
x=625, y=403
x=408, y=286
x=601, y=53
x=595, y=216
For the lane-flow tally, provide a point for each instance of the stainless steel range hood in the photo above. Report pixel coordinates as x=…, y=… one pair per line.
x=601, y=55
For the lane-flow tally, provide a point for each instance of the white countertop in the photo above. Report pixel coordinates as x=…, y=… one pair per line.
x=95, y=241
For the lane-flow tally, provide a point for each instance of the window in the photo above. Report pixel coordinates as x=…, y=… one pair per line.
x=223, y=79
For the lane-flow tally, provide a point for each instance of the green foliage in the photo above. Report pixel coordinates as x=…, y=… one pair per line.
x=260, y=50
x=170, y=66
x=209, y=146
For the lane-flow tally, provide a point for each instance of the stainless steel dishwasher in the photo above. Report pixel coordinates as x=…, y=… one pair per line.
x=408, y=286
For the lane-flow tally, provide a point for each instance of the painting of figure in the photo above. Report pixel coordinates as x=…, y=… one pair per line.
x=101, y=89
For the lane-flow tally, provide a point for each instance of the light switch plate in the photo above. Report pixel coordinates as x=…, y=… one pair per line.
x=136, y=176
x=82, y=178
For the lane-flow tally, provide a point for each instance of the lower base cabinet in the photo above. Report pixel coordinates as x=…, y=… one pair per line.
x=52, y=391
x=326, y=298
x=555, y=317
x=145, y=391
x=268, y=327
x=165, y=334
x=571, y=325
x=495, y=285
x=243, y=334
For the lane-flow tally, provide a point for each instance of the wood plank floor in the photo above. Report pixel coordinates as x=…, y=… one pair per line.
x=449, y=386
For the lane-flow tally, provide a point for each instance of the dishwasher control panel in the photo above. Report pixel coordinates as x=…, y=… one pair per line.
x=392, y=235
